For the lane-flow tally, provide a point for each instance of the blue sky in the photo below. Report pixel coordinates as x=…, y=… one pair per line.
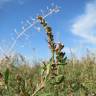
x=74, y=25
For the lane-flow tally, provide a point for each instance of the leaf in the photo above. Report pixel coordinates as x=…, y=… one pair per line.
x=75, y=85
x=6, y=74
x=59, y=79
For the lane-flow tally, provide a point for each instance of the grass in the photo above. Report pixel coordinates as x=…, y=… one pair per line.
x=76, y=72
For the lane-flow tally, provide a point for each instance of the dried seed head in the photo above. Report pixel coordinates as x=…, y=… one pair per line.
x=59, y=47
x=62, y=54
x=44, y=24
x=40, y=17
x=49, y=35
x=49, y=40
x=48, y=29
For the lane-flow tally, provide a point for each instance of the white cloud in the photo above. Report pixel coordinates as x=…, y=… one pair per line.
x=85, y=24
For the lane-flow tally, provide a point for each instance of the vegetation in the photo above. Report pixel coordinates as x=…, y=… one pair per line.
x=57, y=77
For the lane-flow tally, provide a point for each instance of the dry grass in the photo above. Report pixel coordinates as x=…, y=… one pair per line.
x=76, y=72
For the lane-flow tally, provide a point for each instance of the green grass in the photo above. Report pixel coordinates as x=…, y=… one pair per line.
x=76, y=73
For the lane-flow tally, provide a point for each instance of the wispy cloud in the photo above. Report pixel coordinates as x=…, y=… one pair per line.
x=85, y=25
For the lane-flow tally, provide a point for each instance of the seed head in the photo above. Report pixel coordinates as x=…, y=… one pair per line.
x=59, y=47
x=40, y=17
x=48, y=29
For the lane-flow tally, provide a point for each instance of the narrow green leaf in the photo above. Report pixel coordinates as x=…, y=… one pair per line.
x=6, y=74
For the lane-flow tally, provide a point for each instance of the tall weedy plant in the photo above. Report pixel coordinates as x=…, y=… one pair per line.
x=51, y=71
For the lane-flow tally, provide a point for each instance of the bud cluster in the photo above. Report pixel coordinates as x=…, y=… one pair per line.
x=48, y=30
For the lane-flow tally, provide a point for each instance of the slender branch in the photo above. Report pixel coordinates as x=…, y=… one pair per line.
x=54, y=10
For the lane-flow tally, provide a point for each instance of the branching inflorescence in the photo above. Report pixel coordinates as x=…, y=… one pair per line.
x=29, y=24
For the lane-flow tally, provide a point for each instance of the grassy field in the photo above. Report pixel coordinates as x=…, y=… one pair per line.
x=23, y=80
